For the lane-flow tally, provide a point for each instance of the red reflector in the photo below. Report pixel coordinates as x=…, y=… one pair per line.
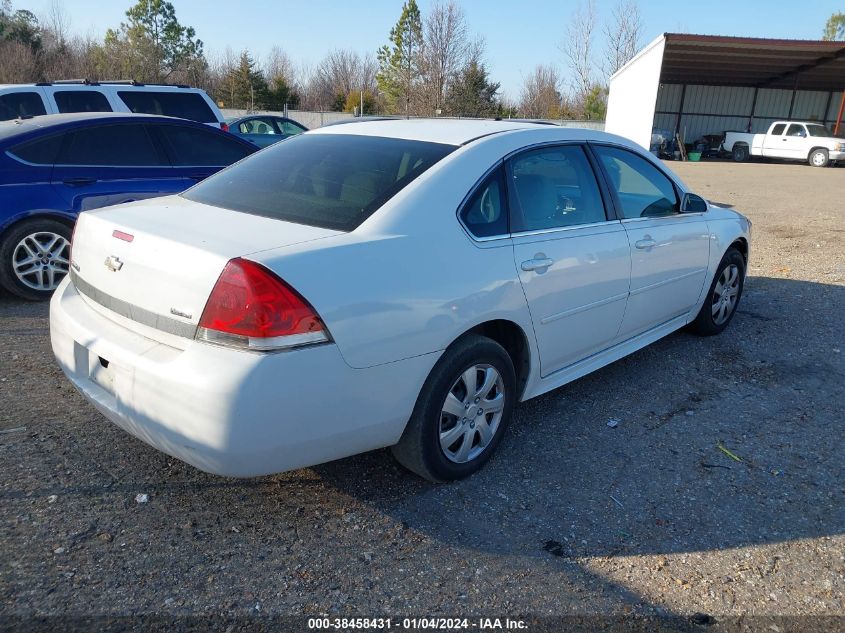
x=249, y=300
x=224, y=126
x=126, y=237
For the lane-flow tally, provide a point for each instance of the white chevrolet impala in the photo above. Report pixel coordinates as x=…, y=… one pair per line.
x=385, y=283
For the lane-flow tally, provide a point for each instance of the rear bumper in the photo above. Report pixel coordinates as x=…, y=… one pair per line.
x=230, y=412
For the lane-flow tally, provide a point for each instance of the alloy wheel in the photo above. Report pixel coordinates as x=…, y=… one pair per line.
x=40, y=260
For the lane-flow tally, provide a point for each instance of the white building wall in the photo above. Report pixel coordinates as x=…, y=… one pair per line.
x=633, y=95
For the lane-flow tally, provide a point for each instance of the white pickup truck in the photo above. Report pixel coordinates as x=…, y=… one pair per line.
x=790, y=140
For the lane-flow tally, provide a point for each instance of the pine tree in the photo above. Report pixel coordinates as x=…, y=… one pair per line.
x=472, y=94
x=398, y=61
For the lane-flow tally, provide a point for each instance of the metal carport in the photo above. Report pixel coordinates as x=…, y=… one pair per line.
x=707, y=84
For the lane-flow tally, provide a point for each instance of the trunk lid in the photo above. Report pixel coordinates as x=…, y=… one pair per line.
x=152, y=264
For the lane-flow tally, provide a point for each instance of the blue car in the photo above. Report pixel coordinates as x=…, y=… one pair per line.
x=54, y=167
x=263, y=130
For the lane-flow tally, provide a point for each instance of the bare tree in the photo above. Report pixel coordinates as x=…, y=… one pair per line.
x=445, y=49
x=541, y=98
x=280, y=67
x=622, y=36
x=578, y=47
x=340, y=73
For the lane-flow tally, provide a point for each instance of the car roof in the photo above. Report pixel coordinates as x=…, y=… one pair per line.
x=49, y=120
x=447, y=131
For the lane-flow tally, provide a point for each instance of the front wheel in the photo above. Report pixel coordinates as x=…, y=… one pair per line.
x=34, y=258
x=819, y=158
x=462, y=411
x=723, y=297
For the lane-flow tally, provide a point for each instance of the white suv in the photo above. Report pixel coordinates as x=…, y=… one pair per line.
x=24, y=100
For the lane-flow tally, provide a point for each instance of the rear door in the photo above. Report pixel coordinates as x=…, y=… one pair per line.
x=179, y=103
x=81, y=100
x=110, y=164
x=196, y=152
x=774, y=142
x=796, y=144
x=669, y=250
x=573, y=260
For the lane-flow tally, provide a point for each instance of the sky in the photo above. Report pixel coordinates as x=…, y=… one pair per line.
x=518, y=35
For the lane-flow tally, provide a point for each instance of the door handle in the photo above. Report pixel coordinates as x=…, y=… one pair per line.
x=539, y=264
x=75, y=182
x=645, y=244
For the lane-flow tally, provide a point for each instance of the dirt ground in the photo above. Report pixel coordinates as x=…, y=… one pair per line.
x=570, y=518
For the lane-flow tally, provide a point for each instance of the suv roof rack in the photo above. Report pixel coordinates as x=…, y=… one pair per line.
x=105, y=82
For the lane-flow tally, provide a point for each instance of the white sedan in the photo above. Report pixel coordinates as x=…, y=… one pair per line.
x=385, y=283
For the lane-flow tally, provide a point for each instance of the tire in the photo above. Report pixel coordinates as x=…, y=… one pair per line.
x=716, y=313
x=818, y=158
x=47, y=243
x=421, y=450
x=740, y=153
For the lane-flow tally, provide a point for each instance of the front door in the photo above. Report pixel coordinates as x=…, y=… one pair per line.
x=669, y=250
x=573, y=262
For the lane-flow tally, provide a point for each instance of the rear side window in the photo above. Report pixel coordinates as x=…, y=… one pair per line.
x=555, y=187
x=20, y=104
x=42, y=151
x=81, y=101
x=778, y=129
x=486, y=214
x=183, y=105
x=126, y=145
x=198, y=147
x=643, y=191
x=333, y=181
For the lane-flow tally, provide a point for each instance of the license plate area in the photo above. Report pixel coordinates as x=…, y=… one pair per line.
x=101, y=372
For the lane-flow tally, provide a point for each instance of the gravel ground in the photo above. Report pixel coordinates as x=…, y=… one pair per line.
x=571, y=517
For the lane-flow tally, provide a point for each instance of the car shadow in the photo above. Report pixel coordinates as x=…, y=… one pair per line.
x=715, y=443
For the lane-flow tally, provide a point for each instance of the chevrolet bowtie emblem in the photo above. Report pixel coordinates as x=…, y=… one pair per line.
x=113, y=263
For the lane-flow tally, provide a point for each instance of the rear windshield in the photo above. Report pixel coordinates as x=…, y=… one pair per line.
x=183, y=105
x=334, y=181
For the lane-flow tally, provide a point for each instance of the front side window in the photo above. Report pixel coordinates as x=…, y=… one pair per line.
x=333, y=181
x=21, y=104
x=642, y=189
x=818, y=130
x=81, y=101
x=126, y=145
x=485, y=214
x=182, y=105
x=290, y=128
x=554, y=187
x=201, y=147
x=796, y=130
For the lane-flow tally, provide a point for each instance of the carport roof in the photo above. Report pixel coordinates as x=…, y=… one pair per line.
x=749, y=61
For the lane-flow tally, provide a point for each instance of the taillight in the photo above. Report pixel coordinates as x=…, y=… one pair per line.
x=251, y=308
x=224, y=126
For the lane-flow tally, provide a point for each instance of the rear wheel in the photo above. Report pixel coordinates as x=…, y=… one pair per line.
x=723, y=296
x=819, y=158
x=462, y=411
x=740, y=153
x=34, y=258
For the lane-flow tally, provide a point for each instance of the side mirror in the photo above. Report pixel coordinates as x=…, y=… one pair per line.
x=693, y=204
